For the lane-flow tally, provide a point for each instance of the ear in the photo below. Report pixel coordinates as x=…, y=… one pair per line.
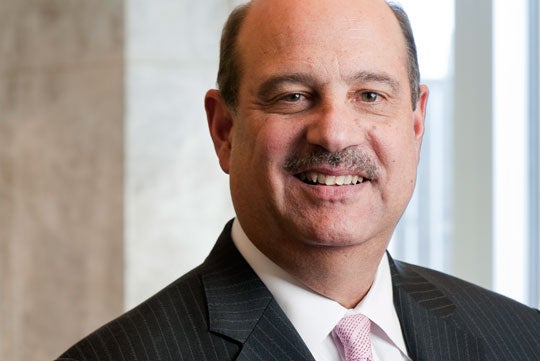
x=419, y=116
x=220, y=123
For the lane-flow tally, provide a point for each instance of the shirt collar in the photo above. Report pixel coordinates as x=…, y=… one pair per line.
x=313, y=315
x=378, y=305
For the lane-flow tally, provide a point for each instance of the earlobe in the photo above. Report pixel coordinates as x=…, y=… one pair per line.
x=220, y=124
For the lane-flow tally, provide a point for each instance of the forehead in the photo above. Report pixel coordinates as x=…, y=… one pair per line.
x=352, y=35
x=312, y=30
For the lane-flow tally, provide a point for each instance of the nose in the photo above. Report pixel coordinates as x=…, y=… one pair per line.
x=334, y=127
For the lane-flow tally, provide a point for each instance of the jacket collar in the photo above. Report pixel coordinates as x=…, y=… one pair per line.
x=241, y=308
x=428, y=319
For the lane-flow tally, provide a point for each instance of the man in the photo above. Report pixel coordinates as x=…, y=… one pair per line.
x=319, y=122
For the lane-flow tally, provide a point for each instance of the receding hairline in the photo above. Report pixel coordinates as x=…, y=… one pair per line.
x=234, y=68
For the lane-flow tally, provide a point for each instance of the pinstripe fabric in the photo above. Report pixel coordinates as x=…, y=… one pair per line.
x=222, y=311
x=444, y=318
x=219, y=311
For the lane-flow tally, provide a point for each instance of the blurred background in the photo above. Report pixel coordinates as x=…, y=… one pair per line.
x=110, y=189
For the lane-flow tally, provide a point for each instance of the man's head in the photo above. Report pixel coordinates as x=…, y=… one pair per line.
x=315, y=125
x=230, y=69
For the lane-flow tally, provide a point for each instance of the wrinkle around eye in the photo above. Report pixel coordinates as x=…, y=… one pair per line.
x=290, y=103
x=368, y=97
x=373, y=103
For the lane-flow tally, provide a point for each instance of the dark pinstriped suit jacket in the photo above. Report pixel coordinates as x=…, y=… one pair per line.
x=222, y=311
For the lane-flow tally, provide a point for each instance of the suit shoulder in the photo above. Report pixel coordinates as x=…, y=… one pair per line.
x=476, y=304
x=464, y=292
x=172, y=323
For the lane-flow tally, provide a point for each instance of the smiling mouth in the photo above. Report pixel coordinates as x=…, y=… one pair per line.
x=314, y=178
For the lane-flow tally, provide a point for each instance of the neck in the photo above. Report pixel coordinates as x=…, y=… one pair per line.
x=344, y=274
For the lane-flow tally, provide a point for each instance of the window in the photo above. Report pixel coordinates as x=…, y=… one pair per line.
x=516, y=150
x=534, y=151
x=505, y=242
x=423, y=234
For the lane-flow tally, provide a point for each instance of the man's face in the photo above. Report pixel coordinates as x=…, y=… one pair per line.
x=324, y=143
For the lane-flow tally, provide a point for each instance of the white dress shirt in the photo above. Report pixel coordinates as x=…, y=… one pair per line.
x=314, y=316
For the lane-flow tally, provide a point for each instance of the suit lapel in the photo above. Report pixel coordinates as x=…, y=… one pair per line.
x=427, y=319
x=274, y=338
x=241, y=308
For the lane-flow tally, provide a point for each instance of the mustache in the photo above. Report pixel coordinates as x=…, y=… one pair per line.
x=350, y=158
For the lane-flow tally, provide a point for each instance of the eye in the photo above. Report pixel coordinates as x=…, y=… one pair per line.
x=290, y=102
x=369, y=97
x=292, y=97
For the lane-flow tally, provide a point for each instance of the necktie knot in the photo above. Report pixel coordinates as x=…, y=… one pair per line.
x=354, y=333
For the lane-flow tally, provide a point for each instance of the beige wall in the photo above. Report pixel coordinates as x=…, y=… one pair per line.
x=61, y=172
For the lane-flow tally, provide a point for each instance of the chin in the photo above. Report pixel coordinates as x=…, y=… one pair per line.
x=335, y=236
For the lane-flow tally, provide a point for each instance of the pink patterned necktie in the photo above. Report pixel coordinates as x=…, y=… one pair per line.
x=353, y=332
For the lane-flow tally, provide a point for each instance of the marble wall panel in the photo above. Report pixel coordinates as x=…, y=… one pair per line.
x=53, y=33
x=61, y=173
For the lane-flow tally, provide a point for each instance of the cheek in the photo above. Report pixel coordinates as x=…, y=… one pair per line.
x=396, y=149
x=260, y=148
x=275, y=141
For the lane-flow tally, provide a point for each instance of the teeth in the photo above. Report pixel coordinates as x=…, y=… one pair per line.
x=330, y=180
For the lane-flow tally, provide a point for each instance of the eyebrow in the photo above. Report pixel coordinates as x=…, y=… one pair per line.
x=273, y=83
x=367, y=76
